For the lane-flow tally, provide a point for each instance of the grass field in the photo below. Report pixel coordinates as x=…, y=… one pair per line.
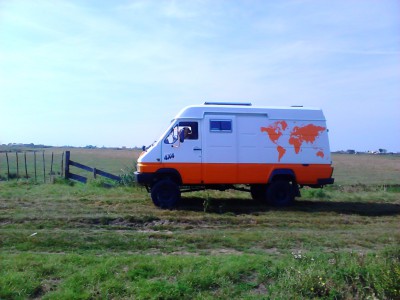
x=63, y=241
x=349, y=169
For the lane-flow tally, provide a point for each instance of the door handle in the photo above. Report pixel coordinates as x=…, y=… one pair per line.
x=196, y=149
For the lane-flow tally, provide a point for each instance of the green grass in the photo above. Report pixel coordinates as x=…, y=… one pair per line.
x=72, y=241
x=298, y=275
x=59, y=241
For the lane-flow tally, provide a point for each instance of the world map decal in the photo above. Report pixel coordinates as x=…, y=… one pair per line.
x=298, y=135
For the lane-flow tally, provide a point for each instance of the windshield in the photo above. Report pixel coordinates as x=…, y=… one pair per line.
x=172, y=137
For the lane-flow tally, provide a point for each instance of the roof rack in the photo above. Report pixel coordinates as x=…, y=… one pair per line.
x=229, y=103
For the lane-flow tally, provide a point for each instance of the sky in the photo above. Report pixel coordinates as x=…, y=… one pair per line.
x=114, y=73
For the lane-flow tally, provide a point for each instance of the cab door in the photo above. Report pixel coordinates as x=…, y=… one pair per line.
x=182, y=151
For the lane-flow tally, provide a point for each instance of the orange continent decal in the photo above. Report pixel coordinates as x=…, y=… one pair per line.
x=281, y=152
x=275, y=130
x=307, y=134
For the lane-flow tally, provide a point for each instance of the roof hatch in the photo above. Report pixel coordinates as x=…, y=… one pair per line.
x=228, y=103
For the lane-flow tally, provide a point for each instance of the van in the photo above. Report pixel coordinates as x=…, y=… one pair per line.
x=270, y=152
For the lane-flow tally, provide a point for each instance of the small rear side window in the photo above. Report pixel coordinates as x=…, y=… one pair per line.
x=221, y=125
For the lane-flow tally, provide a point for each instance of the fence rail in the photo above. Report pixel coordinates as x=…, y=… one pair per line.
x=94, y=171
x=42, y=167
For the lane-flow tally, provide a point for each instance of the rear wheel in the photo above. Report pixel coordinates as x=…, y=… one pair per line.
x=165, y=193
x=280, y=193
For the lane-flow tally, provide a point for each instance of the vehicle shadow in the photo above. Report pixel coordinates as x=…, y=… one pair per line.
x=248, y=206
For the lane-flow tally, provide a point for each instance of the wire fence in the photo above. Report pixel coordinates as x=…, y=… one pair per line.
x=37, y=165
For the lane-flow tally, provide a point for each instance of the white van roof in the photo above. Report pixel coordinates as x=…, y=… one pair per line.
x=272, y=112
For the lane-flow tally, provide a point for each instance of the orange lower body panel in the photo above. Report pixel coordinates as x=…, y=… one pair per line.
x=216, y=173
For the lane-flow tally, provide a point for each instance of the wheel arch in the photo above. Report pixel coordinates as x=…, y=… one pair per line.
x=282, y=174
x=168, y=173
x=286, y=175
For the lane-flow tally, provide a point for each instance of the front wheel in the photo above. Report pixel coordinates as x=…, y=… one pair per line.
x=165, y=194
x=280, y=193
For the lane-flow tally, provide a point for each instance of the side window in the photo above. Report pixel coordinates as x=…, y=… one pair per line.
x=221, y=125
x=183, y=131
x=192, y=129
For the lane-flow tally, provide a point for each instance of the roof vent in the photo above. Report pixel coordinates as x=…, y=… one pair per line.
x=228, y=103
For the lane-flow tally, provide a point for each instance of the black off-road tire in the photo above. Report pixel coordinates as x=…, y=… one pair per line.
x=280, y=193
x=165, y=194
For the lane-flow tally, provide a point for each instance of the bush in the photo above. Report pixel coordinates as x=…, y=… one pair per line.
x=102, y=182
x=316, y=194
x=128, y=177
x=63, y=181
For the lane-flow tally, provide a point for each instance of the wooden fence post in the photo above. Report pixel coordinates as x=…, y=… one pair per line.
x=34, y=157
x=26, y=168
x=66, y=166
x=16, y=156
x=44, y=168
x=51, y=165
x=62, y=164
x=8, y=167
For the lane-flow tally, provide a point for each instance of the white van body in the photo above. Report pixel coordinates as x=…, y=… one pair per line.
x=237, y=143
